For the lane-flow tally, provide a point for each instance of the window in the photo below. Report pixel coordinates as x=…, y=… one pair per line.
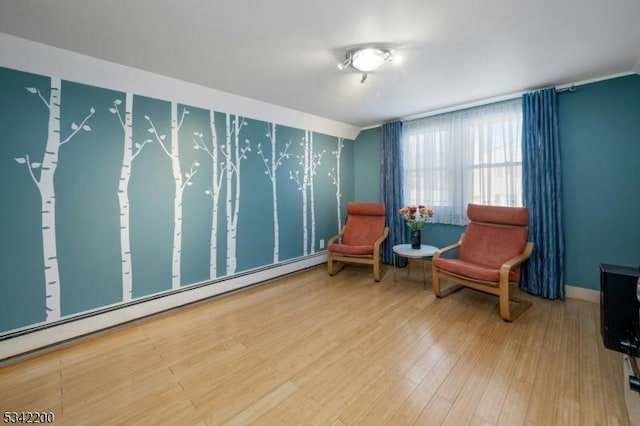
x=468, y=156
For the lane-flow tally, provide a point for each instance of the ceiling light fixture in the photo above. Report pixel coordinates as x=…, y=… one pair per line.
x=366, y=60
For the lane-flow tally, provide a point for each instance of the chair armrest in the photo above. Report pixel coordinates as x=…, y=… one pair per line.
x=508, y=265
x=335, y=238
x=378, y=242
x=381, y=238
x=451, y=247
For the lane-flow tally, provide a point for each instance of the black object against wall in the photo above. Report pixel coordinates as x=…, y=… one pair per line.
x=619, y=306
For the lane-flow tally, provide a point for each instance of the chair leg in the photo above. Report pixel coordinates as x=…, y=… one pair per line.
x=376, y=271
x=331, y=265
x=435, y=280
x=437, y=287
x=506, y=312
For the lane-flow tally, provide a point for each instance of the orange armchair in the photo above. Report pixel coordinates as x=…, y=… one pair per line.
x=360, y=238
x=490, y=253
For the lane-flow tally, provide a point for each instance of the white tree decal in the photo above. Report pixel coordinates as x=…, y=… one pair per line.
x=180, y=184
x=335, y=176
x=315, y=162
x=45, y=185
x=309, y=162
x=233, y=161
x=271, y=167
x=131, y=151
x=216, y=184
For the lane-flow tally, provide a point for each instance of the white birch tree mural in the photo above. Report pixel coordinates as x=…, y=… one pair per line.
x=303, y=161
x=271, y=165
x=181, y=182
x=131, y=151
x=45, y=184
x=216, y=185
x=313, y=165
x=334, y=174
x=309, y=161
x=233, y=161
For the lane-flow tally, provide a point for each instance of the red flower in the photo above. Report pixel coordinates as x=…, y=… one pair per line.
x=416, y=216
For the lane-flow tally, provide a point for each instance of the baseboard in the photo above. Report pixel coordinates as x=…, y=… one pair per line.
x=582, y=293
x=58, y=334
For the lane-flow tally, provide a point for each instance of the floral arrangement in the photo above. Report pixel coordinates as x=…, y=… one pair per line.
x=416, y=216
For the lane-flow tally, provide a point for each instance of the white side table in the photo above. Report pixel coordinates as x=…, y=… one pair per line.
x=425, y=253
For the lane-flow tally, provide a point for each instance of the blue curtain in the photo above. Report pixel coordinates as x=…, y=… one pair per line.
x=392, y=187
x=543, y=274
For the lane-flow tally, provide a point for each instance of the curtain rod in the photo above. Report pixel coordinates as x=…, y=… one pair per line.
x=509, y=97
x=572, y=87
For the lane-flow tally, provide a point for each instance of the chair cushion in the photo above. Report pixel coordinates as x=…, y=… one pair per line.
x=494, y=236
x=365, y=224
x=350, y=250
x=490, y=246
x=362, y=230
x=474, y=271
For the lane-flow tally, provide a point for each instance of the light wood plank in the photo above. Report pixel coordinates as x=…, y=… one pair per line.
x=264, y=404
x=592, y=409
x=514, y=408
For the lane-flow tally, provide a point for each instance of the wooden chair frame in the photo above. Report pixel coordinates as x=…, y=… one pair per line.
x=500, y=288
x=336, y=261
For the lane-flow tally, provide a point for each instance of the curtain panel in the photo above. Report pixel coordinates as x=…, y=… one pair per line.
x=472, y=155
x=391, y=188
x=543, y=274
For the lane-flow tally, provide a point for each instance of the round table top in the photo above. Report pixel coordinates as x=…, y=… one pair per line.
x=405, y=250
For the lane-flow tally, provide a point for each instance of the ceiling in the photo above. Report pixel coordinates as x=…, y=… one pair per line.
x=286, y=52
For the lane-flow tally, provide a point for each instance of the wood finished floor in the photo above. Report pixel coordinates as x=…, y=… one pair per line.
x=343, y=350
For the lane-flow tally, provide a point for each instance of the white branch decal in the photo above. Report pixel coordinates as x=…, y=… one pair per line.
x=271, y=167
x=216, y=184
x=181, y=182
x=123, y=189
x=309, y=162
x=334, y=174
x=233, y=163
x=45, y=185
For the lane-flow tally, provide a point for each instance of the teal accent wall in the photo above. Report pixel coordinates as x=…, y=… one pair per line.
x=349, y=177
x=151, y=191
x=366, y=165
x=84, y=171
x=197, y=206
x=67, y=246
x=600, y=147
x=22, y=286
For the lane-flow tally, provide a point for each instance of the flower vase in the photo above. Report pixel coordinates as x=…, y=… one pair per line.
x=415, y=239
